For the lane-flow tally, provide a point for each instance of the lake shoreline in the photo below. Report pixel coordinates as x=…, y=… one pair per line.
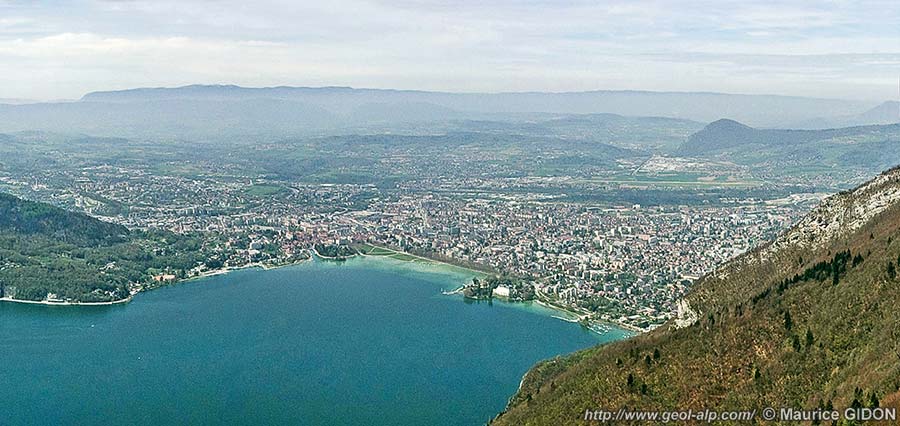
x=299, y=325
x=547, y=305
x=542, y=303
x=360, y=255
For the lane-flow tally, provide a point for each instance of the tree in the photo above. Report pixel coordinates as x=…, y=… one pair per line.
x=788, y=321
x=873, y=401
x=795, y=342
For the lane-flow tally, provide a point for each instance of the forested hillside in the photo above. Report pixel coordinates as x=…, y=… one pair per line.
x=29, y=218
x=49, y=253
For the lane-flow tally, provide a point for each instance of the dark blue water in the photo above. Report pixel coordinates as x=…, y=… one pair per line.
x=367, y=342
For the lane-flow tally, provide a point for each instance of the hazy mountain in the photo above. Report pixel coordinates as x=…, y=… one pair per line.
x=886, y=113
x=169, y=118
x=727, y=134
x=16, y=101
x=650, y=134
x=219, y=111
x=723, y=134
x=760, y=110
x=807, y=321
x=375, y=113
x=871, y=147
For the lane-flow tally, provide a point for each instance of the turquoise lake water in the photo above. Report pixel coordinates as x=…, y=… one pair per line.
x=364, y=342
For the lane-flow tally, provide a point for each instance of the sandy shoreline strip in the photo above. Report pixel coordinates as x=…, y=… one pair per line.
x=64, y=303
x=425, y=259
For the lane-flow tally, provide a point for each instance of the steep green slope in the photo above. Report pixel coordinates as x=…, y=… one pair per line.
x=808, y=321
x=29, y=218
x=50, y=253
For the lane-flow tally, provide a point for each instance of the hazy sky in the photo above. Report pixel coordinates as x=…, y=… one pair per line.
x=63, y=49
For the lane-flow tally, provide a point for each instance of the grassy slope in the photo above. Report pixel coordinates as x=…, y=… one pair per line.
x=740, y=355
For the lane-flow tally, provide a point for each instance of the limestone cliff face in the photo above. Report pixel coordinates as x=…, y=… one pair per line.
x=841, y=215
x=685, y=316
x=833, y=221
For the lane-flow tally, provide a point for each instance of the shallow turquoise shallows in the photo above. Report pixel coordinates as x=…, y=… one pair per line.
x=364, y=342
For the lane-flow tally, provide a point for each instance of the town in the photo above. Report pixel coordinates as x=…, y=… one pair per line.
x=622, y=263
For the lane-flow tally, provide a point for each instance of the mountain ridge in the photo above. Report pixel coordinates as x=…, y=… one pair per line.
x=725, y=134
x=887, y=112
x=177, y=112
x=764, y=110
x=233, y=87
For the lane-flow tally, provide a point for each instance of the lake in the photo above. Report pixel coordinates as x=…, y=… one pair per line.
x=364, y=342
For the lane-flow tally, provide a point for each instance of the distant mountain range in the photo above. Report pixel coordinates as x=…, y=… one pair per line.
x=16, y=101
x=886, y=113
x=728, y=134
x=216, y=111
x=761, y=110
x=871, y=148
x=808, y=321
x=174, y=118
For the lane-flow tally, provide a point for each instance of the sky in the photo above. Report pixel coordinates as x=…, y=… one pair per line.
x=835, y=49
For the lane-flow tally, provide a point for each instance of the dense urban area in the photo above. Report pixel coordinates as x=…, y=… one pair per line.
x=603, y=261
